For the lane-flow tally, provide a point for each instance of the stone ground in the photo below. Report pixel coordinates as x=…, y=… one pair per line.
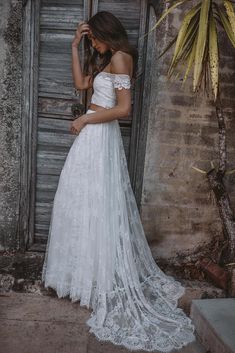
x=35, y=323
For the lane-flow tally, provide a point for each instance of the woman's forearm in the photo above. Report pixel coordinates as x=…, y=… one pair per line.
x=106, y=115
x=78, y=77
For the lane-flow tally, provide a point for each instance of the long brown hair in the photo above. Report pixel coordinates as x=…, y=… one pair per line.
x=107, y=28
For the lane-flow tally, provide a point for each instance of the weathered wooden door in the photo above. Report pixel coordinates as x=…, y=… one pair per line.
x=49, y=95
x=55, y=97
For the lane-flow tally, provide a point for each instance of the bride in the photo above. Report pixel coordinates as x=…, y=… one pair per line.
x=97, y=252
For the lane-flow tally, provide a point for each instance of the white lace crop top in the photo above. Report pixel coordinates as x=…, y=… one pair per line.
x=104, y=86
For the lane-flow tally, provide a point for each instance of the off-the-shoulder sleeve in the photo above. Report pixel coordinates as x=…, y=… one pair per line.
x=122, y=81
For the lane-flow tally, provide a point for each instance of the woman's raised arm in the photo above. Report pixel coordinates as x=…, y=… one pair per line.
x=80, y=81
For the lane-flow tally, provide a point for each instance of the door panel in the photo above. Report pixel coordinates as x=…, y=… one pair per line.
x=58, y=21
x=53, y=95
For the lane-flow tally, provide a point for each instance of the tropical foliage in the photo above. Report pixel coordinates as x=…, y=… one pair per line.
x=196, y=43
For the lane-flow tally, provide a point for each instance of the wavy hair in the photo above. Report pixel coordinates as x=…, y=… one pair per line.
x=108, y=29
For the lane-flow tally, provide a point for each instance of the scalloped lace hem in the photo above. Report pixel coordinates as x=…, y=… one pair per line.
x=144, y=333
x=134, y=346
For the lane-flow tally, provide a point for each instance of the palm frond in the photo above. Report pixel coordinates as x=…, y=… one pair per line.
x=226, y=25
x=187, y=47
x=230, y=13
x=196, y=45
x=186, y=30
x=165, y=13
x=213, y=56
x=201, y=42
x=190, y=60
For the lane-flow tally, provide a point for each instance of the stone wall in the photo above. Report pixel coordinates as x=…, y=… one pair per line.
x=10, y=115
x=179, y=214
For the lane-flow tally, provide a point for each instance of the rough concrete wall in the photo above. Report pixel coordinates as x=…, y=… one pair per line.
x=177, y=209
x=10, y=115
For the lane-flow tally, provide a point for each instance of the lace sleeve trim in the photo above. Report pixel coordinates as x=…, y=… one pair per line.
x=122, y=81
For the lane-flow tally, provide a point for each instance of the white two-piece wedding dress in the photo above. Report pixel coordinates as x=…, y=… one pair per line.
x=97, y=251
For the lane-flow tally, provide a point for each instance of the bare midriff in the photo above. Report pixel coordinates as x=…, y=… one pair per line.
x=96, y=107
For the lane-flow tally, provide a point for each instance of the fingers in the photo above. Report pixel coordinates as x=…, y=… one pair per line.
x=84, y=32
x=83, y=28
x=83, y=25
x=73, y=130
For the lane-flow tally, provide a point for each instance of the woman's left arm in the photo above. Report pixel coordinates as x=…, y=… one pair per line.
x=123, y=95
x=121, y=110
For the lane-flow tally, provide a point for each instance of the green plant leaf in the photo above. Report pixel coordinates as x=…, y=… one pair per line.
x=226, y=25
x=165, y=13
x=185, y=31
x=213, y=56
x=230, y=13
x=201, y=41
x=190, y=60
x=186, y=45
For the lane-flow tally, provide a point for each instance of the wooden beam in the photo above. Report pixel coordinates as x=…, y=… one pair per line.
x=29, y=101
x=136, y=147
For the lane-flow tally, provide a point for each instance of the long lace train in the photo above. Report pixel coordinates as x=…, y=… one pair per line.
x=97, y=251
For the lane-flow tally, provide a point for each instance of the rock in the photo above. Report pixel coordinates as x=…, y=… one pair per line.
x=6, y=283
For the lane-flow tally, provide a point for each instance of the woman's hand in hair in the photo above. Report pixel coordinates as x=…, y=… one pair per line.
x=82, y=29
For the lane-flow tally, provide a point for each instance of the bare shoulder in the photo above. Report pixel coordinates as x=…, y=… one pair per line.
x=121, y=63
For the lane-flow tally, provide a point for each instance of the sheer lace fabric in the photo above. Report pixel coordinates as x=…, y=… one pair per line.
x=97, y=251
x=104, y=88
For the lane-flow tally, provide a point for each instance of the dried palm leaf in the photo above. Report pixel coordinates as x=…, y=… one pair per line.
x=186, y=33
x=226, y=25
x=190, y=60
x=201, y=42
x=165, y=13
x=230, y=13
x=213, y=56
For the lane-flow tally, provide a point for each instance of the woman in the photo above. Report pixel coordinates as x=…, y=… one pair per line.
x=97, y=252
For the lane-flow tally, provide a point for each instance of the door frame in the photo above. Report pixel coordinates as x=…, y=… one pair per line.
x=27, y=179
x=29, y=120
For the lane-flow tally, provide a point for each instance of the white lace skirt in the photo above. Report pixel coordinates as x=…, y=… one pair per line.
x=97, y=251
